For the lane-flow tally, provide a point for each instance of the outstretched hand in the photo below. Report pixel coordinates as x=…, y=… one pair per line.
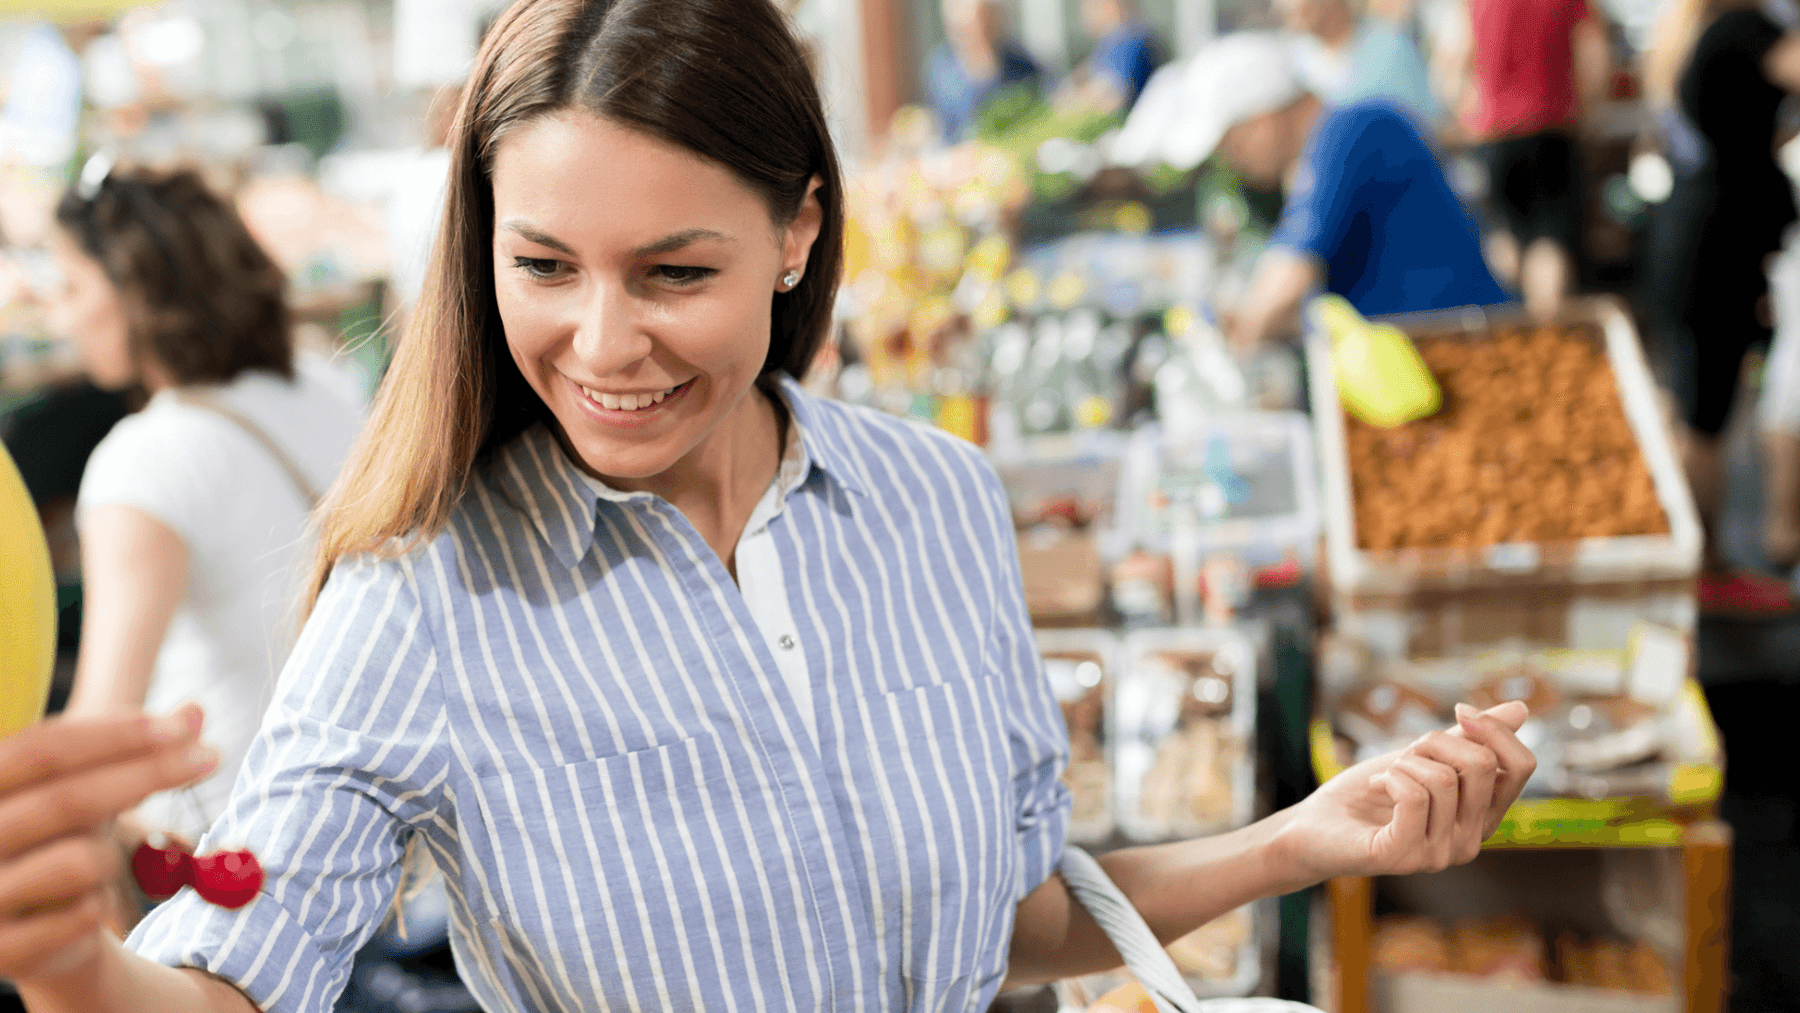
x=63, y=783
x=1422, y=809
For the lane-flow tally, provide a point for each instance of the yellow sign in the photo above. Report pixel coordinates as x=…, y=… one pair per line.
x=27, y=605
x=68, y=10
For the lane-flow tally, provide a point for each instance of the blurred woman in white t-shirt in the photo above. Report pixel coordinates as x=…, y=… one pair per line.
x=192, y=511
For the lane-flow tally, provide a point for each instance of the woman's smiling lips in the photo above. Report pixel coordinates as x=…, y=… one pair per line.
x=630, y=409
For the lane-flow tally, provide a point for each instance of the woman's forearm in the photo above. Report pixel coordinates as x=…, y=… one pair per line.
x=1176, y=887
x=116, y=980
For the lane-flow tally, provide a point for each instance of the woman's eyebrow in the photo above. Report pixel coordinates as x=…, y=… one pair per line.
x=667, y=244
x=677, y=240
x=530, y=234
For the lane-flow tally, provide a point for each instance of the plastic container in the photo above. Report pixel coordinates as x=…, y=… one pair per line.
x=1585, y=594
x=1062, y=493
x=1082, y=469
x=1082, y=666
x=1242, y=483
x=1183, y=715
x=1615, y=813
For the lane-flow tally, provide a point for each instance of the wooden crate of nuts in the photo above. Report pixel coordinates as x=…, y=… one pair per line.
x=1544, y=505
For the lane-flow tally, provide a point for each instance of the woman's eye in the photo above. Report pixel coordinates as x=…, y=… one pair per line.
x=538, y=267
x=682, y=275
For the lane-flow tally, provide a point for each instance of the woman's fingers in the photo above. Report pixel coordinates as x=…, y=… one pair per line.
x=1477, y=768
x=56, y=748
x=1517, y=764
x=58, y=875
x=79, y=802
x=1406, y=830
x=28, y=944
x=1443, y=786
x=1511, y=715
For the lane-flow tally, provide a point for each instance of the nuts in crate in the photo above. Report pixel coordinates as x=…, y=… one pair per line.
x=1532, y=445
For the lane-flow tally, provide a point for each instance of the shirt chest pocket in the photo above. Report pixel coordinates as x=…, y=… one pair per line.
x=604, y=864
x=940, y=766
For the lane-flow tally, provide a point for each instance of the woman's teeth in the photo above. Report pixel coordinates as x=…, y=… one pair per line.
x=627, y=402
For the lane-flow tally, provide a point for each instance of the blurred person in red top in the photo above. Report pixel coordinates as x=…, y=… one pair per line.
x=1532, y=66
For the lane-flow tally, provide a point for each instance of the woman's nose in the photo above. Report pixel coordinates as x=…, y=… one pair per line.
x=610, y=335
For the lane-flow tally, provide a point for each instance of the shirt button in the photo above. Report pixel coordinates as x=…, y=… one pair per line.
x=786, y=642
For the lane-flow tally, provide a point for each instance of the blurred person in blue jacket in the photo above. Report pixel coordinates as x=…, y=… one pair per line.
x=1126, y=53
x=975, y=64
x=1368, y=213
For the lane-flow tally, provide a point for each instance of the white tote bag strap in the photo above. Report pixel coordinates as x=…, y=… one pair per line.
x=1125, y=927
x=1144, y=956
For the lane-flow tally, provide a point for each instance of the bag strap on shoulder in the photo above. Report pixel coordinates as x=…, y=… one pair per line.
x=194, y=399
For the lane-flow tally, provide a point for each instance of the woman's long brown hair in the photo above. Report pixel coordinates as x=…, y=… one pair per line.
x=722, y=78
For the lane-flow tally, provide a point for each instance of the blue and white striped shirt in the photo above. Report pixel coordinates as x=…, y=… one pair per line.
x=566, y=700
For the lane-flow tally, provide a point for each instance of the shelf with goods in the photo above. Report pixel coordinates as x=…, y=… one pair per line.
x=1162, y=726
x=1012, y=287
x=1347, y=946
x=1535, y=540
x=1159, y=683
x=1137, y=552
x=1673, y=810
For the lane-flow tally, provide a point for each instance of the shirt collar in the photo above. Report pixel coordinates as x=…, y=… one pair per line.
x=826, y=436
x=562, y=501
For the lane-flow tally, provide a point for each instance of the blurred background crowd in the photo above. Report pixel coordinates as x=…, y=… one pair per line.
x=1068, y=218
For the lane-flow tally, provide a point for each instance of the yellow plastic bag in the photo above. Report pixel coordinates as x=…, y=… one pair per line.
x=1380, y=377
x=27, y=605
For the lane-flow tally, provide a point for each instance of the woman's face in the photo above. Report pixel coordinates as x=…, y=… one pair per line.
x=635, y=282
x=86, y=310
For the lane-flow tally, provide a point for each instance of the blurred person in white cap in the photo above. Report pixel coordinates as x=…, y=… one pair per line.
x=1368, y=213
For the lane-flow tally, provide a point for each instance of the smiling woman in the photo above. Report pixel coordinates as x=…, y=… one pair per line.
x=702, y=693
x=617, y=182
x=637, y=302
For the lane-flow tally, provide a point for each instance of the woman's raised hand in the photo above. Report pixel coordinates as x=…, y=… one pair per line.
x=62, y=784
x=1422, y=809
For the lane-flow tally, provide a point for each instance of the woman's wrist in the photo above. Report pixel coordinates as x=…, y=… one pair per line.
x=77, y=979
x=1289, y=861
x=112, y=978
x=1178, y=887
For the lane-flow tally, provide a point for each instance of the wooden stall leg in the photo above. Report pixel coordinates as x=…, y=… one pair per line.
x=1352, y=939
x=1706, y=859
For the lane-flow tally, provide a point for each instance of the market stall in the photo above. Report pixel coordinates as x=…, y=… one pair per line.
x=1533, y=540
x=1240, y=579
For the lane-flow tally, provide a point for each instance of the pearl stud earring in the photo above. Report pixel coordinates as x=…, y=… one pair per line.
x=791, y=279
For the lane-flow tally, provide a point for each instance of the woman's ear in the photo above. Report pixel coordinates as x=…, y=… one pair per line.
x=803, y=231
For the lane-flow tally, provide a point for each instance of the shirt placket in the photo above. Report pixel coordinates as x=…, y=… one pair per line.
x=815, y=822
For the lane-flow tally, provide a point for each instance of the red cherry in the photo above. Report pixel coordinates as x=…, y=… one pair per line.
x=228, y=879
x=161, y=872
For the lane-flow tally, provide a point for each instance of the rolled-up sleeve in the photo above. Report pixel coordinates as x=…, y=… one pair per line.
x=348, y=765
x=1036, y=734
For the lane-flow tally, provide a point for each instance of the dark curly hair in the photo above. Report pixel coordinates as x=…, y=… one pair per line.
x=201, y=299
